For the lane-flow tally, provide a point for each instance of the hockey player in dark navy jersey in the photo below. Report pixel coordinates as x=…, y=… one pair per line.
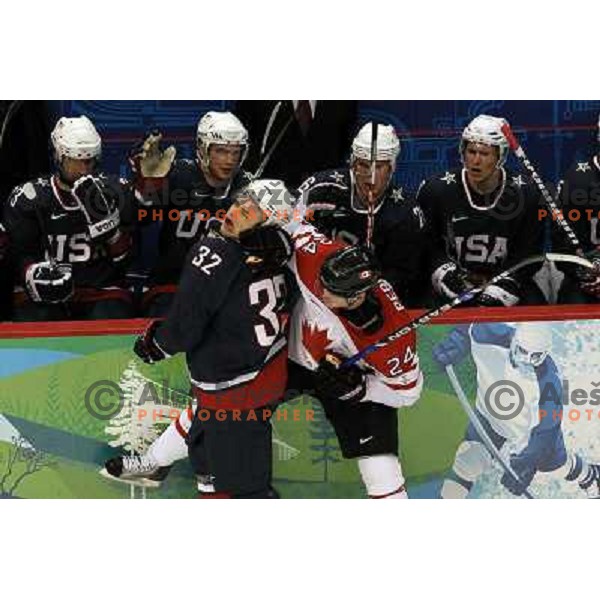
x=483, y=219
x=338, y=201
x=184, y=195
x=70, y=234
x=230, y=317
x=579, y=200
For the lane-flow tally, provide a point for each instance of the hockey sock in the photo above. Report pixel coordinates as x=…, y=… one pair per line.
x=382, y=476
x=170, y=446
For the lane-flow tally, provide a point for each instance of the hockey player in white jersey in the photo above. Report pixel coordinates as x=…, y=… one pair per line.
x=519, y=405
x=345, y=307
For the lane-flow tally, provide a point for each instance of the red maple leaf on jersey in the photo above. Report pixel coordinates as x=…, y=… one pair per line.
x=315, y=340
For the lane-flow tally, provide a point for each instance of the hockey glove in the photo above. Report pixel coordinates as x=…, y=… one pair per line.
x=150, y=164
x=146, y=346
x=268, y=248
x=49, y=283
x=524, y=470
x=505, y=292
x=98, y=205
x=453, y=349
x=589, y=279
x=333, y=383
x=450, y=281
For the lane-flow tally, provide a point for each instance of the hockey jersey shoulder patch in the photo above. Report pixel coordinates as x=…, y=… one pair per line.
x=323, y=182
x=449, y=178
x=27, y=194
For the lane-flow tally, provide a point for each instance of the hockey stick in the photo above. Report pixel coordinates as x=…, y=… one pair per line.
x=267, y=157
x=474, y=420
x=516, y=147
x=468, y=295
x=370, y=200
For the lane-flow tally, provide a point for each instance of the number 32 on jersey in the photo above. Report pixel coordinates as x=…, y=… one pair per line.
x=266, y=294
x=206, y=260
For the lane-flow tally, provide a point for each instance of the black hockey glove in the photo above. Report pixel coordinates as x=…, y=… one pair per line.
x=146, y=346
x=450, y=281
x=333, y=383
x=268, y=248
x=99, y=206
x=589, y=279
x=505, y=292
x=49, y=283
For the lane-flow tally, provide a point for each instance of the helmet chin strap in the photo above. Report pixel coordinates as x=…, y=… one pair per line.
x=204, y=161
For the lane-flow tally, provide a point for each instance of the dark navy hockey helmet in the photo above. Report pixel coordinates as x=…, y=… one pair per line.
x=349, y=272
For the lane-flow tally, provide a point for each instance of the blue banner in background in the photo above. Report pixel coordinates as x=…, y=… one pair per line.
x=554, y=132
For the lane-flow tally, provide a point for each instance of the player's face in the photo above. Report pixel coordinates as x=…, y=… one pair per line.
x=363, y=177
x=480, y=162
x=333, y=301
x=522, y=357
x=74, y=168
x=243, y=215
x=224, y=161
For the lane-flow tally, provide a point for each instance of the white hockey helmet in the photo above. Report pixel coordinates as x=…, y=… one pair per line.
x=220, y=128
x=77, y=138
x=530, y=344
x=388, y=144
x=281, y=206
x=486, y=130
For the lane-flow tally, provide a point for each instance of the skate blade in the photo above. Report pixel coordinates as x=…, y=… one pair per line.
x=139, y=482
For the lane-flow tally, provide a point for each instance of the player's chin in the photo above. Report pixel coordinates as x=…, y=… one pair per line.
x=225, y=174
x=228, y=227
